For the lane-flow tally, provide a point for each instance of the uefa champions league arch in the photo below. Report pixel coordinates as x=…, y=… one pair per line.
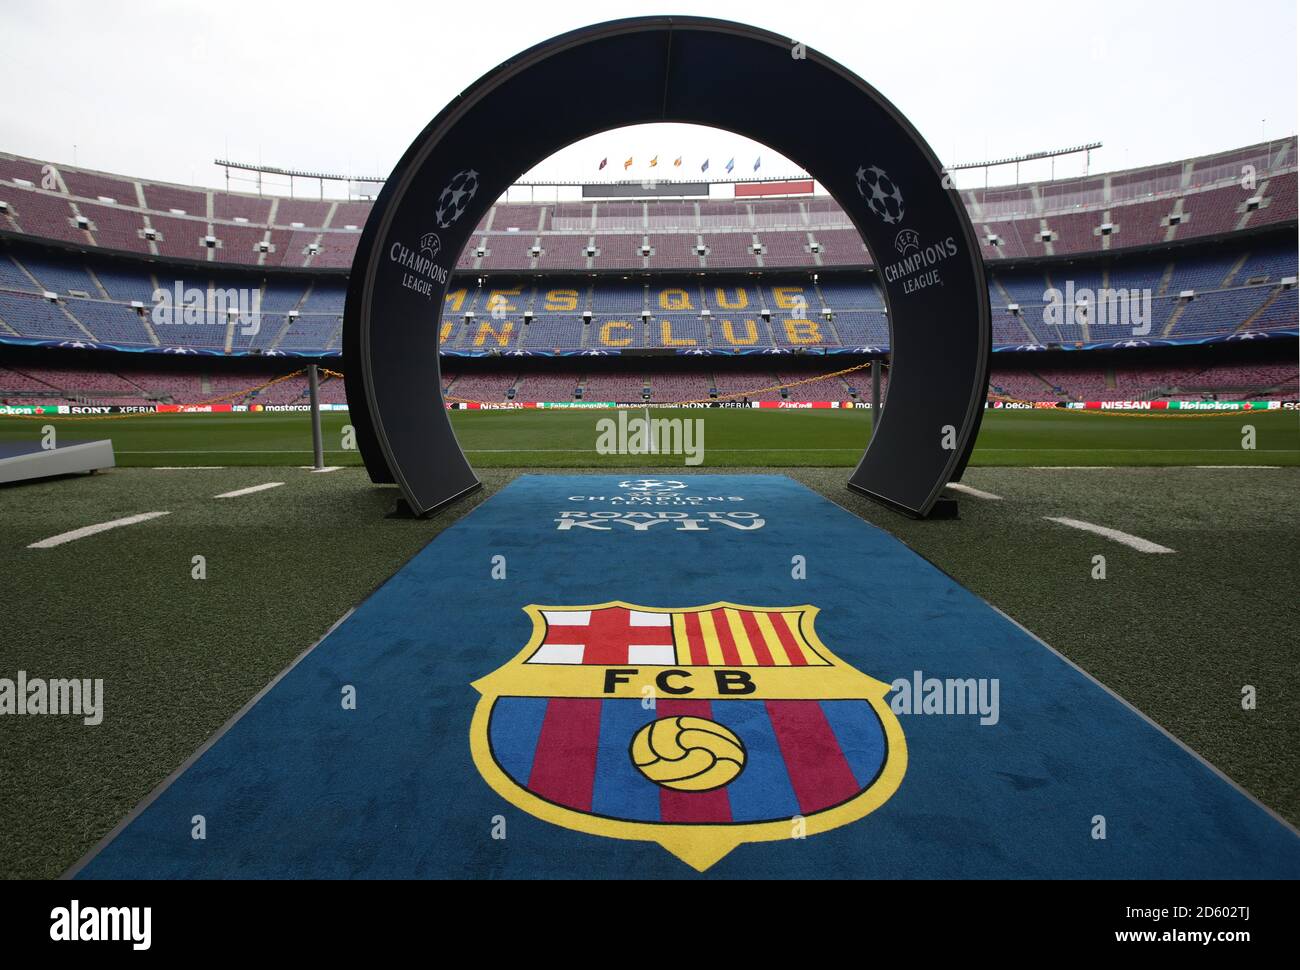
x=768, y=87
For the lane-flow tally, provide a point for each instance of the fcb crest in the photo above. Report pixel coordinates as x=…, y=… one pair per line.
x=699, y=728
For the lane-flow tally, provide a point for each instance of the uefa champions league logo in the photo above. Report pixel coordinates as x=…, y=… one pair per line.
x=907, y=241
x=915, y=268
x=651, y=485
x=881, y=193
x=456, y=197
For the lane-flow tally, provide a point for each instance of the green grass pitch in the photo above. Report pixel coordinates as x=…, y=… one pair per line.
x=1176, y=635
x=732, y=438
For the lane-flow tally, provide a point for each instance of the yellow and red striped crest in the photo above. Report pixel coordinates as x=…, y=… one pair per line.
x=699, y=728
x=724, y=636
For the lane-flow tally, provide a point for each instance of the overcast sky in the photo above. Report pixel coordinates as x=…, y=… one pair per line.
x=158, y=88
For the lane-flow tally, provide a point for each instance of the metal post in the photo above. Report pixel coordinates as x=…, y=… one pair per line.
x=875, y=396
x=313, y=386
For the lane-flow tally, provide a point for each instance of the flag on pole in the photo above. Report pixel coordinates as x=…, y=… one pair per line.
x=757, y=162
x=730, y=165
x=603, y=162
x=627, y=164
x=654, y=161
x=677, y=162
x=705, y=166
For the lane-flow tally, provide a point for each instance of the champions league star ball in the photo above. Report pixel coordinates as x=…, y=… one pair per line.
x=875, y=185
x=688, y=753
x=456, y=197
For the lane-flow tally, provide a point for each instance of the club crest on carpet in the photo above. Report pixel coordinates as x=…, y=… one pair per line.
x=700, y=728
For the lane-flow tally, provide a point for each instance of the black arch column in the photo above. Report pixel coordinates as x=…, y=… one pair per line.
x=677, y=69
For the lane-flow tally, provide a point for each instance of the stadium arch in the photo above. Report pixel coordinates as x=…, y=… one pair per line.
x=690, y=70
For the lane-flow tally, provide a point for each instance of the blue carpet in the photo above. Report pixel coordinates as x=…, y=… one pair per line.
x=15, y=449
x=301, y=786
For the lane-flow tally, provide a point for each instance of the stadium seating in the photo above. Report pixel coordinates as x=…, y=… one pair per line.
x=1022, y=385
x=1240, y=290
x=32, y=316
x=191, y=382
x=559, y=385
x=1231, y=287
x=614, y=387
x=493, y=386
x=681, y=386
x=1163, y=203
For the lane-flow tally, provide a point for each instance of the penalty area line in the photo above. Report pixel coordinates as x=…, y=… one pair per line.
x=90, y=530
x=974, y=492
x=1123, y=538
x=250, y=490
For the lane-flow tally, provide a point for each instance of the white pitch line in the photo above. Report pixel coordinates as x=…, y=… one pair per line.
x=187, y=468
x=974, y=492
x=1236, y=466
x=1132, y=541
x=320, y=471
x=90, y=530
x=250, y=490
